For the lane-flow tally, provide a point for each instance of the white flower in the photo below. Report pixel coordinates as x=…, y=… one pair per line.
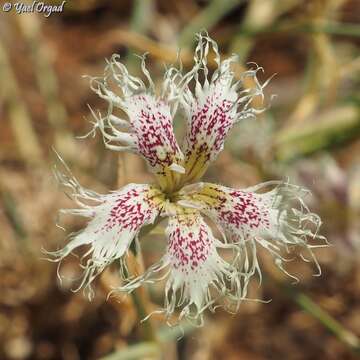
x=198, y=276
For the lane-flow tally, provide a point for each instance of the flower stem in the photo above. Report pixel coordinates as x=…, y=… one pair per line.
x=148, y=328
x=140, y=297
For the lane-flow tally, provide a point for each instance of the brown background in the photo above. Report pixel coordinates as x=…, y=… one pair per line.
x=310, y=133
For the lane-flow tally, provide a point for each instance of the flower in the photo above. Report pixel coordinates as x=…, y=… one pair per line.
x=198, y=275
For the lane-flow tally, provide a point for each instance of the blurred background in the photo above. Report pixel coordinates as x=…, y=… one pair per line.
x=311, y=134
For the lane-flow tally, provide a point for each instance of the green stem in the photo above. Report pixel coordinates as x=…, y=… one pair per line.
x=304, y=302
x=206, y=19
x=331, y=324
x=325, y=319
x=331, y=128
x=149, y=332
x=140, y=22
x=147, y=329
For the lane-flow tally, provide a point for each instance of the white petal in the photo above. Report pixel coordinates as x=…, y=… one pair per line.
x=197, y=276
x=149, y=130
x=218, y=103
x=115, y=220
x=277, y=220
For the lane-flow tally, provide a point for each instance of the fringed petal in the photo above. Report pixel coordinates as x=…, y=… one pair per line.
x=147, y=128
x=197, y=276
x=217, y=104
x=278, y=220
x=115, y=220
x=195, y=265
